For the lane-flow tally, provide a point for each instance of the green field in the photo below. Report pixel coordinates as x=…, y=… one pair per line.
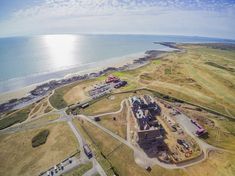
x=16, y=117
x=65, y=95
x=18, y=157
x=115, y=153
x=80, y=170
x=202, y=75
x=116, y=123
x=108, y=104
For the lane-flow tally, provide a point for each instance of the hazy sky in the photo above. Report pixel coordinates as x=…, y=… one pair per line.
x=212, y=18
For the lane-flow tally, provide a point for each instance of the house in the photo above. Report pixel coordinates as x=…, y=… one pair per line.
x=111, y=79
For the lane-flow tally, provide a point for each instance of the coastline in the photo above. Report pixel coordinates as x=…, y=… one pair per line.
x=14, y=99
x=115, y=62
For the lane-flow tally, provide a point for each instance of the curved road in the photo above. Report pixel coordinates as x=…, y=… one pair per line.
x=142, y=159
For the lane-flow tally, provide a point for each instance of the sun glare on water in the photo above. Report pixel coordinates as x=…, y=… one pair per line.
x=61, y=49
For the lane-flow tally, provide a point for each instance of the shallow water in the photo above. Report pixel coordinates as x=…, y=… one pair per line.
x=30, y=60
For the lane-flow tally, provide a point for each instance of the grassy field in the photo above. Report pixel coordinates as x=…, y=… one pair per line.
x=80, y=170
x=79, y=92
x=57, y=99
x=119, y=155
x=18, y=157
x=71, y=93
x=218, y=164
x=188, y=76
x=108, y=104
x=202, y=75
x=16, y=117
x=105, y=164
x=40, y=108
x=121, y=158
x=221, y=132
x=117, y=126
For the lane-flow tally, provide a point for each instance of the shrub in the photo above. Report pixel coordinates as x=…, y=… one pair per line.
x=40, y=138
x=14, y=118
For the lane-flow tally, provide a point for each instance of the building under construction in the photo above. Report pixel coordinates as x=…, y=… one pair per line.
x=150, y=132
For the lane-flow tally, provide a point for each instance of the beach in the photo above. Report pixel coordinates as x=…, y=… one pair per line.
x=115, y=63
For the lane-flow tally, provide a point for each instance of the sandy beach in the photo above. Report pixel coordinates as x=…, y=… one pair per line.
x=114, y=62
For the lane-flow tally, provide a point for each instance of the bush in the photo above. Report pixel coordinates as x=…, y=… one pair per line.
x=40, y=138
x=14, y=118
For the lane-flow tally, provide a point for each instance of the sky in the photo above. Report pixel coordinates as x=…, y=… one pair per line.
x=209, y=18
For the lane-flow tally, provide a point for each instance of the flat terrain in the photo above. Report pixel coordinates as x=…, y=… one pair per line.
x=72, y=93
x=18, y=157
x=202, y=75
x=120, y=156
x=221, y=131
x=116, y=123
x=79, y=92
x=80, y=170
x=108, y=104
x=15, y=117
x=218, y=164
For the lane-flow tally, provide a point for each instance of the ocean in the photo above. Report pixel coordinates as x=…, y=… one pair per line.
x=31, y=60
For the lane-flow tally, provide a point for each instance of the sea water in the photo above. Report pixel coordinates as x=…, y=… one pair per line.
x=31, y=60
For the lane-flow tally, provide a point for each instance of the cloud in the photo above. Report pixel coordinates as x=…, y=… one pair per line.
x=191, y=17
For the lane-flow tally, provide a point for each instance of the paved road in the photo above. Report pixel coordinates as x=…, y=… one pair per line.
x=67, y=167
x=143, y=160
x=96, y=166
x=140, y=157
x=138, y=153
x=29, y=126
x=190, y=129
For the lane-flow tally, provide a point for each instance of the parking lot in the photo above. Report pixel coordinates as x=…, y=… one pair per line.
x=62, y=167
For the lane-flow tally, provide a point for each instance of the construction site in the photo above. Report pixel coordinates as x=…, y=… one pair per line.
x=157, y=132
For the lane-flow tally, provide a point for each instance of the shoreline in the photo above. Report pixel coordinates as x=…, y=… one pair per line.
x=15, y=99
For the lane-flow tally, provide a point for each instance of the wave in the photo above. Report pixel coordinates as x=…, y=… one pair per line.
x=39, y=78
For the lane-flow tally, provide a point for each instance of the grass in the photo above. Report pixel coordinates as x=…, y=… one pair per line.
x=117, y=126
x=218, y=164
x=107, y=104
x=80, y=170
x=221, y=132
x=36, y=108
x=15, y=118
x=220, y=66
x=187, y=76
x=57, y=100
x=96, y=174
x=18, y=157
x=119, y=155
x=79, y=93
x=48, y=109
x=222, y=135
x=105, y=164
x=40, y=138
x=70, y=94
